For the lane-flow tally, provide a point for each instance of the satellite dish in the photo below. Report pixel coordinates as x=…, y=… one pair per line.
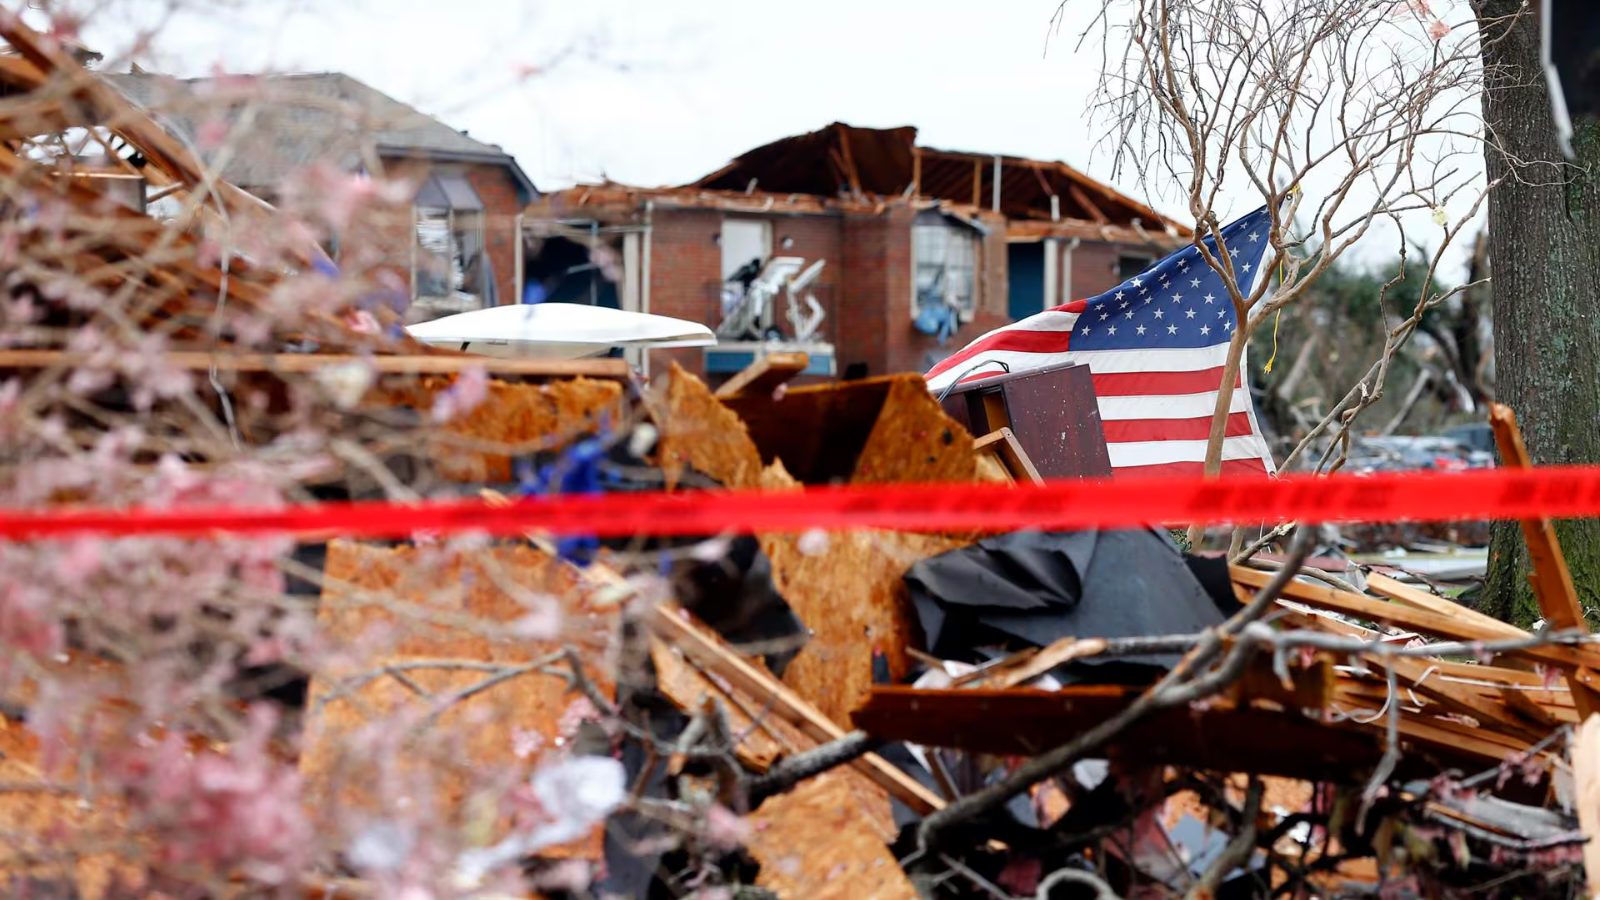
x=558, y=331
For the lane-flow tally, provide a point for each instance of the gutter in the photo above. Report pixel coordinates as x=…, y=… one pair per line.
x=527, y=193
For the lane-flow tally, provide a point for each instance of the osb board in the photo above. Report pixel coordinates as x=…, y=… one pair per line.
x=765, y=736
x=698, y=432
x=383, y=605
x=527, y=417
x=812, y=844
x=850, y=593
x=42, y=824
x=914, y=441
x=434, y=601
x=476, y=751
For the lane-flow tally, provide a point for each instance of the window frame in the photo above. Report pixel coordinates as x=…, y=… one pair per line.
x=950, y=227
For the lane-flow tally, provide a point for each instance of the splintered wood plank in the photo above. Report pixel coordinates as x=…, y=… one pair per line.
x=1026, y=722
x=1402, y=616
x=1552, y=580
x=764, y=737
x=675, y=628
x=765, y=374
x=812, y=845
x=1414, y=597
x=310, y=363
x=1003, y=444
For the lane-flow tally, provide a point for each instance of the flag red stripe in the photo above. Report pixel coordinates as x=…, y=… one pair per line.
x=1194, y=469
x=1144, y=384
x=1125, y=430
x=1038, y=342
x=1016, y=339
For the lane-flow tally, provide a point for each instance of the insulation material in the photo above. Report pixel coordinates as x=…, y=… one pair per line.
x=699, y=433
x=813, y=845
x=849, y=589
x=513, y=420
x=399, y=606
x=765, y=737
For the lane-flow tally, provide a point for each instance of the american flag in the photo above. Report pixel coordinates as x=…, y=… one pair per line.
x=1156, y=345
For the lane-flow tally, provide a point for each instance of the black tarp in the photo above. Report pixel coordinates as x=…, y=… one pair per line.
x=1036, y=587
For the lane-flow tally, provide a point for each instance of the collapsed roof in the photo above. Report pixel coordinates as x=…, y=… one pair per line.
x=844, y=160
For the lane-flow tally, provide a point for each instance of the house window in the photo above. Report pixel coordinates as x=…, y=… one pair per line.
x=944, y=253
x=1129, y=266
x=451, y=272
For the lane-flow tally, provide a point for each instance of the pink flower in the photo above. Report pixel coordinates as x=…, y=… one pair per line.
x=1438, y=30
x=471, y=388
x=725, y=830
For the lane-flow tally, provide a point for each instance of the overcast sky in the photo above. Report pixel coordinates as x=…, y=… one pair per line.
x=657, y=92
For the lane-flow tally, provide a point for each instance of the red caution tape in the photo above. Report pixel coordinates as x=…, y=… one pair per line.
x=1565, y=492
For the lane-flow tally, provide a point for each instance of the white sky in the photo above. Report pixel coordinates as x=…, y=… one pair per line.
x=664, y=91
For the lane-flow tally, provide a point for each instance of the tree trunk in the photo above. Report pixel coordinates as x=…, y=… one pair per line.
x=1544, y=250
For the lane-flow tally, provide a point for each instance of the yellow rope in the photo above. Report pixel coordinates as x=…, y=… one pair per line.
x=1278, y=319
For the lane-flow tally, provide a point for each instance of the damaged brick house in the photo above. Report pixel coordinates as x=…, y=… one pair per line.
x=917, y=244
x=451, y=246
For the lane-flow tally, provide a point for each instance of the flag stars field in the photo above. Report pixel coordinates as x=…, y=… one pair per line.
x=1156, y=376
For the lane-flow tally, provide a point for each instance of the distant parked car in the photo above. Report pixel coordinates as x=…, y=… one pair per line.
x=1479, y=436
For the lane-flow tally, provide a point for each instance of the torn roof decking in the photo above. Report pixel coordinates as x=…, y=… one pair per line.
x=868, y=163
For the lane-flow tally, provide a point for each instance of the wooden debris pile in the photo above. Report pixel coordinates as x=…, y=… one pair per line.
x=734, y=716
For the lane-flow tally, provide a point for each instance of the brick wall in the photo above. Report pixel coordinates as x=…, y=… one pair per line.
x=686, y=270
x=909, y=348
x=378, y=244
x=1094, y=266
x=498, y=190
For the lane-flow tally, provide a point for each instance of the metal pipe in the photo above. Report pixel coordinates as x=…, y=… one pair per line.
x=644, y=278
x=1066, y=268
x=518, y=262
x=995, y=205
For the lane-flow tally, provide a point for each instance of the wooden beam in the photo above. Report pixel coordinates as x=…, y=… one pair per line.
x=765, y=374
x=1552, y=581
x=850, y=164
x=1082, y=199
x=673, y=626
x=1397, y=614
x=1003, y=443
x=1416, y=598
x=135, y=126
x=303, y=363
x=916, y=173
x=977, y=181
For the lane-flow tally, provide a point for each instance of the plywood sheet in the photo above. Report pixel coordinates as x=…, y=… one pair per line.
x=848, y=588
x=36, y=823
x=813, y=845
x=914, y=441
x=528, y=417
x=407, y=605
x=699, y=433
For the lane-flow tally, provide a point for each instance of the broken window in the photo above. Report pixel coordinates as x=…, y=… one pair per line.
x=944, y=253
x=450, y=265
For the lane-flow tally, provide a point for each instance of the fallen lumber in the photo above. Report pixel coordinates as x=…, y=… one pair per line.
x=675, y=628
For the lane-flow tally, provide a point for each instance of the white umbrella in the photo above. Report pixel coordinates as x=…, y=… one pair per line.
x=560, y=330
